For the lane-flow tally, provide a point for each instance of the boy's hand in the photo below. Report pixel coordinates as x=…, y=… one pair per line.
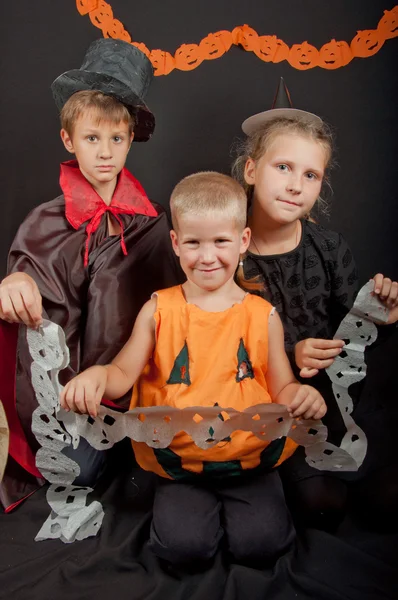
x=83, y=393
x=314, y=354
x=307, y=403
x=387, y=291
x=20, y=300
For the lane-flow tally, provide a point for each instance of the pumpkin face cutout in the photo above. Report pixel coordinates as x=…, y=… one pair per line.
x=270, y=49
x=246, y=37
x=86, y=6
x=102, y=14
x=116, y=31
x=303, y=56
x=188, y=57
x=225, y=37
x=367, y=43
x=162, y=62
x=213, y=46
x=388, y=25
x=335, y=55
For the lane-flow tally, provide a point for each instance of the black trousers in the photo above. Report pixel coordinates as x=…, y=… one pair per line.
x=248, y=514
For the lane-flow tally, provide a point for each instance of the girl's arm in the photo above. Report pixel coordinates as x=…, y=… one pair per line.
x=313, y=354
x=84, y=392
x=302, y=400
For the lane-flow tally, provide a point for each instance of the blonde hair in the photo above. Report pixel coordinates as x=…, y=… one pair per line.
x=207, y=193
x=256, y=145
x=107, y=108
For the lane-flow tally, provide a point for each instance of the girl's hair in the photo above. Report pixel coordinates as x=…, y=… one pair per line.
x=106, y=108
x=256, y=144
x=210, y=193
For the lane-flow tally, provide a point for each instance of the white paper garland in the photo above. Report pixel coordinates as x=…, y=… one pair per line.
x=72, y=519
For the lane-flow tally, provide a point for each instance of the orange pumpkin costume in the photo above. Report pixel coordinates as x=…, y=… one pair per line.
x=204, y=359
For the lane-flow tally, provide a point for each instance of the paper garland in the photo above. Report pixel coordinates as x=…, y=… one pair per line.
x=72, y=519
x=268, y=48
x=358, y=331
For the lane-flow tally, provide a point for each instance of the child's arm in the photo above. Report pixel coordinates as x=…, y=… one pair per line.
x=84, y=392
x=20, y=300
x=302, y=400
x=313, y=354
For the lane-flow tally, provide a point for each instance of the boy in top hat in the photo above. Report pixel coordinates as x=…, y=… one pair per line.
x=89, y=259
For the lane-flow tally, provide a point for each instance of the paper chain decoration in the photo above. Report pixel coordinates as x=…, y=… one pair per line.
x=72, y=519
x=268, y=48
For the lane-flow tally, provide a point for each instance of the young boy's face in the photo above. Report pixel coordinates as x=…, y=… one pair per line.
x=101, y=148
x=209, y=249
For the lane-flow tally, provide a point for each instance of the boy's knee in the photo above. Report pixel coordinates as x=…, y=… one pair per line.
x=267, y=541
x=183, y=547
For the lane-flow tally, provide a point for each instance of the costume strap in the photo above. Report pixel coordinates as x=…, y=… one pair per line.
x=94, y=224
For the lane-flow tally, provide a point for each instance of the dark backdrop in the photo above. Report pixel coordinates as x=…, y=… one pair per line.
x=199, y=112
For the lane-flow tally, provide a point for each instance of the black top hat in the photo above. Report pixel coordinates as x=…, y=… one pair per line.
x=116, y=69
x=281, y=107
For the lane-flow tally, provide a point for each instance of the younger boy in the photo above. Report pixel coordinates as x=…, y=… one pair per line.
x=89, y=259
x=208, y=343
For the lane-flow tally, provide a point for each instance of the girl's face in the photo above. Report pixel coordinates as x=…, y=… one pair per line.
x=287, y=179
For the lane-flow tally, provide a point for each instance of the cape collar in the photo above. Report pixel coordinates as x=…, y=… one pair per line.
x=82, y=203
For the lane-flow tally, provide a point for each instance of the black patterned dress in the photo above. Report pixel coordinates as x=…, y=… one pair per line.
x=312, y=287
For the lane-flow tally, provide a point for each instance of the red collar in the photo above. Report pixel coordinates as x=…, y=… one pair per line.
x=82, y=203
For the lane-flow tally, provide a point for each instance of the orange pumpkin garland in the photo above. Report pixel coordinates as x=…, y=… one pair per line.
x=268, y=48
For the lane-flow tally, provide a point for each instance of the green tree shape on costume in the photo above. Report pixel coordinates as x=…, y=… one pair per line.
x=245, y=368
x=180, y=370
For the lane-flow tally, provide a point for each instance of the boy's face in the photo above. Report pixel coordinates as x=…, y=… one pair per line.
x=101, y=148
x=209, y=249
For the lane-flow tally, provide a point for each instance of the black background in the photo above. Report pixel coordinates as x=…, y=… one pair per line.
x=199, y=112
x=198, y=115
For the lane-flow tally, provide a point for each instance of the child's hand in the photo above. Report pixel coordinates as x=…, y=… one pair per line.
x=307, y=403
x=387, y=291
x=83, y=393
x=314, y=354
x=20, y=300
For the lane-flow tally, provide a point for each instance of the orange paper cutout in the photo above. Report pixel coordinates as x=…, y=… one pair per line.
x=367, y=43
x=334, y=55
x=303, y=56
x=271, y=49
x=268, y=48
x=188, y=57
x=388, y=25
x=85, y=6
